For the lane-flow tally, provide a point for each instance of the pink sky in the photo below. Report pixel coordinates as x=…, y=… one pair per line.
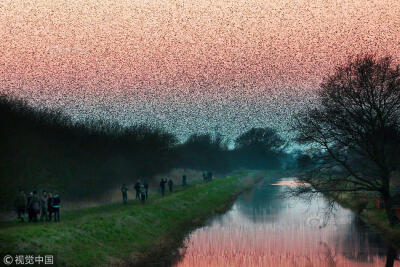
x=244, y=49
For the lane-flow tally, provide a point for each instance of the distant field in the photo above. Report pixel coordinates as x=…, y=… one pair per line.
x=116, y=234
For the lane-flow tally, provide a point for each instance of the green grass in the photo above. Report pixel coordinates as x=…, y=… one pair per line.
x=116, y=233
x=376, y=218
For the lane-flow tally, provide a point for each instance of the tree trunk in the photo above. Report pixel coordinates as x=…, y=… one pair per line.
x=390, y=212
x=390, y=257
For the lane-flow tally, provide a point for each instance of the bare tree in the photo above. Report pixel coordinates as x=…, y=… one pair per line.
x=357, y=127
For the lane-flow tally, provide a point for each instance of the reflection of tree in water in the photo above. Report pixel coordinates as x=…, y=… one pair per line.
x=329, y=254
x=262, y=204
x=359, y=243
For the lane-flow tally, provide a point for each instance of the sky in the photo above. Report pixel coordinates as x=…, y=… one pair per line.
x=188, y=66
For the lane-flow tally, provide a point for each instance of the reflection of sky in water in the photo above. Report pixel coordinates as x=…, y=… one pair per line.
x=263, y=229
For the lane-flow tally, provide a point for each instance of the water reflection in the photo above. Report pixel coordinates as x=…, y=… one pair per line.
x=358, y=234
x=261, y=204
x=263, y=229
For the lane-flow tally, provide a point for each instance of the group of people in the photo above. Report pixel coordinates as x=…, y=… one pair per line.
x=47, y=204
x=142, y=191
x=44, y=205
x=207, y=176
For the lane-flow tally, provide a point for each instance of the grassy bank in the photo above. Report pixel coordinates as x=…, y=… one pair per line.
x=371, y=215
x=363, y=204
x=117, y=235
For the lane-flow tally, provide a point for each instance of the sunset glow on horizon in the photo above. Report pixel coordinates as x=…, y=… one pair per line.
x=187, y=65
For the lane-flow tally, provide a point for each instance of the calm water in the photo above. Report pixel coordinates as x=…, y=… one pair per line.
x=262, y=229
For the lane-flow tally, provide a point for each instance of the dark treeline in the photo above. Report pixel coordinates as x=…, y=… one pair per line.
x=258, y=148
x=204, y=152
x=44, y=149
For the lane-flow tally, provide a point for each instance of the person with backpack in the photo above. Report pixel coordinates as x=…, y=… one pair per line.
x=56, y=207
x=124, y=191
x=20, y=205
x=34, y=207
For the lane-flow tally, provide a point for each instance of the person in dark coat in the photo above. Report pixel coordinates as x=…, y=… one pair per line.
x=146, y=189
x=50, y=206
x=209, y=176
x=137, y=189
x=34, y=207
x=43, y=207
x=170, y=185
x=20, y=205
x=56, y=207
x=162, y=186
x=28, y=201
x=124, y=191
x=184, y=180
x=142, y=194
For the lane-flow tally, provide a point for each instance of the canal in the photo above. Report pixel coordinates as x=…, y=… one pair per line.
x=264, y=229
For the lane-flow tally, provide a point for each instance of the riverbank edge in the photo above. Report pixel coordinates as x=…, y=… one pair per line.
x=167, y=253
x=133, y=236
x=373, y=217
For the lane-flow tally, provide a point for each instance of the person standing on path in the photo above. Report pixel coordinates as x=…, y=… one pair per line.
x=170, y=185
x=184, y=180
x=34, y=207
x=137, y=189
x=146, y=189
x=162, y=186
x=142, y=194
x=43, y=207
x=20, y=205
x=56, y=207
x=50, y=206
x=124, y=191
x=28, y=210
